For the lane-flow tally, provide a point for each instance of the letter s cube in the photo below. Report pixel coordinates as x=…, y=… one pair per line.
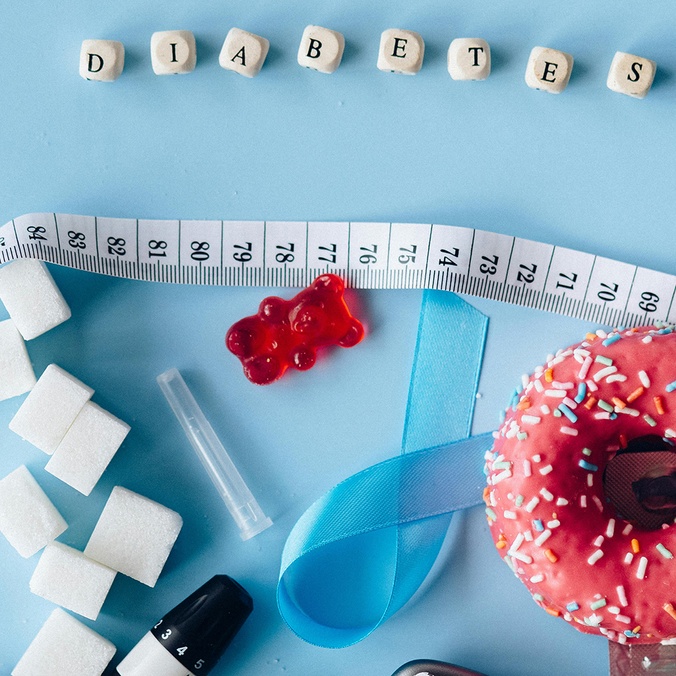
x=631, y=75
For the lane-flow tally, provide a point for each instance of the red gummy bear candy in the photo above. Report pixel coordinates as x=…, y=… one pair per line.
x=288, y=332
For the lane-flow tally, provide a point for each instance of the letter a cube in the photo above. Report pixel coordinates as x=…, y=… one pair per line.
x=243, y=52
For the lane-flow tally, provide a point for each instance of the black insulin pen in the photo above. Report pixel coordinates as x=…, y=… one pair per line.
x=190, y=639
x=433, y=668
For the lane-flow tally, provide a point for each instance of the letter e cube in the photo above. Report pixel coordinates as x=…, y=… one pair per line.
x=548, y=70
x=401, y=51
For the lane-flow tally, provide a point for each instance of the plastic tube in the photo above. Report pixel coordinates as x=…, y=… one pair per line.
x=221, y=470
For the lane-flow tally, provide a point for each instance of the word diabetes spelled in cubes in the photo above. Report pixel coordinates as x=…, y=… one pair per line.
x=321, y=49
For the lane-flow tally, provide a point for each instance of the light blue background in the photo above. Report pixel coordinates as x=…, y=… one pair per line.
x=588, y=169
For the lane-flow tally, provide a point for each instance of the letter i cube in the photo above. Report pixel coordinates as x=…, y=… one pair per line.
x=173, y=52
x=101, y=60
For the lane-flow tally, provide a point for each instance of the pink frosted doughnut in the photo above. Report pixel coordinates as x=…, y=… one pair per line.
x=581, y=494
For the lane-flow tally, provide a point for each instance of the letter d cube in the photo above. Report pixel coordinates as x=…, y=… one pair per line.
x=101, y=60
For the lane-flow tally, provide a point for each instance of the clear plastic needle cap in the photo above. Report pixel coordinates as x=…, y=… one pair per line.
x=221, y=470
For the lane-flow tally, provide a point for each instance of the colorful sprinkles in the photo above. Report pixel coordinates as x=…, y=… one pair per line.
x=532, y=517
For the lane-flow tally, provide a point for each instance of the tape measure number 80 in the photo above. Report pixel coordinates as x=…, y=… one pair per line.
x=365, y=255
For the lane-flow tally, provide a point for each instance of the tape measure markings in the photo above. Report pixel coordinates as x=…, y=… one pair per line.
x=367, y=255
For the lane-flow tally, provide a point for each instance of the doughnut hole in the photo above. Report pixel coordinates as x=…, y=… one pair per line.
x=640, y=482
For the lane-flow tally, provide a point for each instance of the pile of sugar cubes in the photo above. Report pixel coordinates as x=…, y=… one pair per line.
x=133, y=535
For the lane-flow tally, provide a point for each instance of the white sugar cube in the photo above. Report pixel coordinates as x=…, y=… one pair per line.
x=134, y=535
x=243, y=52
x=401, y=51
x=173, y=52
x=321, y=49
x=87, y=448
x=631, y=75
x=548, y=70
x=70, y=579
x=65, y=646
x=469, y=59
x=28, y=519
x=31, y=297
x=101, y=60
x=50, y=409
x=16, y=371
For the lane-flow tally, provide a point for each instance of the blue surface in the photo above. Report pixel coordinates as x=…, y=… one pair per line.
x=588, y=169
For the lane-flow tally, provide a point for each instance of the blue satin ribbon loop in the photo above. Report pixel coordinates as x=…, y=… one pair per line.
x=361, y=551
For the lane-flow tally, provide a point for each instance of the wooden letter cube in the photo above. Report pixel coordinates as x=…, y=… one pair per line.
x=173, y=52
x=631, y=75
x=243, y=52
x=548, y=70
x=321, y=49
x=401, y=51
x=469, y=59
x=101, y=60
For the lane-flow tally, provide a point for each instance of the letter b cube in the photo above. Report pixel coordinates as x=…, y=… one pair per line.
x=321, y=49
x=101, y=60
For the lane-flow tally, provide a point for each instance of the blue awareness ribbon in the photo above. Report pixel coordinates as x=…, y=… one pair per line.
x=360, y=552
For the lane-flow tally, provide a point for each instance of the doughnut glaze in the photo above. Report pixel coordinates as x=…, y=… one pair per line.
x=549, y=513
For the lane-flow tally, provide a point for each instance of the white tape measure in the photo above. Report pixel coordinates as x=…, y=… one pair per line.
x=365, y=255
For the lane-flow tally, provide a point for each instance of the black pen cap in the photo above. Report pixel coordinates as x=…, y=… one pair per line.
x=199, y=629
